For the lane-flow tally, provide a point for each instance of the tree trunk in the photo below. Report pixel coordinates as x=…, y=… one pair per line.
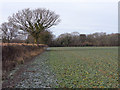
x=35, y=40
x=8, y=39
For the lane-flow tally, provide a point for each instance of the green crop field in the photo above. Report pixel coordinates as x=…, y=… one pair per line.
x=87, y=67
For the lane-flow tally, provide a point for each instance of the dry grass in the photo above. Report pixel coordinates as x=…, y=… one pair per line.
x=18, y=53
x=20, y=44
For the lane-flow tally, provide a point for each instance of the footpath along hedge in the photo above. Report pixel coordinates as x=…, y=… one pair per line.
x=18, y=53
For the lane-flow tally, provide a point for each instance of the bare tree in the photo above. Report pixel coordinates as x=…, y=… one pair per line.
x=34, y=21
x=8, y=31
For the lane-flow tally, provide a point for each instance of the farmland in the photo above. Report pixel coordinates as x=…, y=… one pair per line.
x=68, y=67
x=85, y=67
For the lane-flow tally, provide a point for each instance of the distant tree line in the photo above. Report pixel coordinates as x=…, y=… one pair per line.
x=63, y=40
x=95, y=39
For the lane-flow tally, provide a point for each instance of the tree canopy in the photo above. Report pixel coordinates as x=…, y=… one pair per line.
x=34, y=21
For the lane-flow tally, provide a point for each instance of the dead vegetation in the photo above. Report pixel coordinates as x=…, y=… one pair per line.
x=17, y=53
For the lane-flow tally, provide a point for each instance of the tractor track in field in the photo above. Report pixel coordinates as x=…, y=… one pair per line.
x=35, y=74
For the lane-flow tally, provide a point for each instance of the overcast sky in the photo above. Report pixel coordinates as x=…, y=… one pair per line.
x=83, y=16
